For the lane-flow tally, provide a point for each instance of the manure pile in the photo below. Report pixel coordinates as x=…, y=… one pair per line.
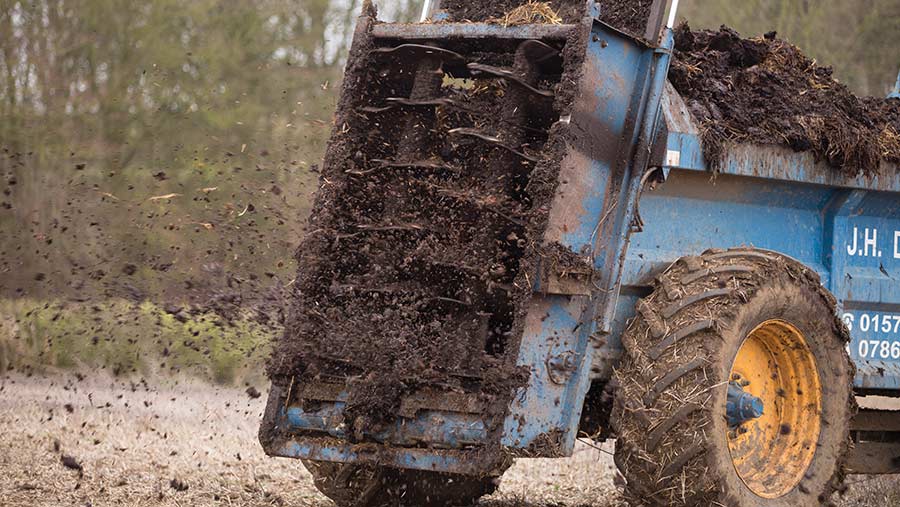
x=766, y=91
x=627, y=15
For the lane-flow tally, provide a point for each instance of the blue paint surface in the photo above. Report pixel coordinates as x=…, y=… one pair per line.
x=545, y=406
x=775, y=162
x=428, y=427
x=622, y=85
x=867, y=253
x=413, y=459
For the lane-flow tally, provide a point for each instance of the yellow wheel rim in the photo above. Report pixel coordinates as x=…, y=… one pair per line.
x=771, y=453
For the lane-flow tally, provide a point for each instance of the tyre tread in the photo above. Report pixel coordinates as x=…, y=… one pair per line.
x=667, y=349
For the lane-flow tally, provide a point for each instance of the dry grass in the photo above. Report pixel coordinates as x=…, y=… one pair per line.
x=132, y=443
x=530, y=13
x=889, y=141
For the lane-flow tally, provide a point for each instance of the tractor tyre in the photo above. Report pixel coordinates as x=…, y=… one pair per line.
x=717, y=327
x=350, y=485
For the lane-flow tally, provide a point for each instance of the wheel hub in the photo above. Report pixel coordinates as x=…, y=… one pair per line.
x=742, y=406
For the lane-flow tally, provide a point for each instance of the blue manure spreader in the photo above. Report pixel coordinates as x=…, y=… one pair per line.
x=733, y=324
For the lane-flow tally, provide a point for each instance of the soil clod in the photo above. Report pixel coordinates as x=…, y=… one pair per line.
x=71, y=463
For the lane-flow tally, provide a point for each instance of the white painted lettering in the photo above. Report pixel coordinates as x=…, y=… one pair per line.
x=897, y=244
x=852, y=249
x=871, y=241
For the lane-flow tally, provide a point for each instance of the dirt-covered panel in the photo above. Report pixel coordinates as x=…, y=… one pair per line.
x=427, y=230
x=766, y=91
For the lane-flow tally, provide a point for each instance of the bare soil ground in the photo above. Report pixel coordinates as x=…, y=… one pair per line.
x=141, y=445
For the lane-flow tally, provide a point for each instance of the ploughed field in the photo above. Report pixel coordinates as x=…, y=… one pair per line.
x=194, y=444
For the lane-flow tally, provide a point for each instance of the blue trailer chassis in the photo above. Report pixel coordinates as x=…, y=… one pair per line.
x=639, y=130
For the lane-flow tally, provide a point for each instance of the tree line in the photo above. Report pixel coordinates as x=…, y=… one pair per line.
x=154, y=149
